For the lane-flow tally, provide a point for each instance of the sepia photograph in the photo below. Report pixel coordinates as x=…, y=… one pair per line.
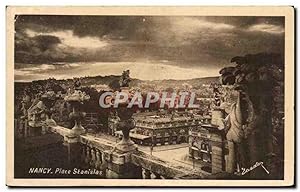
x=150, y=96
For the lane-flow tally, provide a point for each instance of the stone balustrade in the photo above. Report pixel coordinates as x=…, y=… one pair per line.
x=90, y=151
x=163, y=169
x=60, y=130
x=101, y=154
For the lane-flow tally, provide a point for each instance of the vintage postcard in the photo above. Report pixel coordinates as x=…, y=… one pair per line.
x=150, y=96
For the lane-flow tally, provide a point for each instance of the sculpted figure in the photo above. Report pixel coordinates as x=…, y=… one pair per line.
x=234, y=135
x=77, y=83
x=36, y=114
x=125, y=79
x=249, y=123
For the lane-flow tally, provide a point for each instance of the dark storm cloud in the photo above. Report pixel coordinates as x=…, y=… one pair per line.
x=246, y=21
x=97, y=26
x=126, y=26
x=185, y=41
x=35, y=49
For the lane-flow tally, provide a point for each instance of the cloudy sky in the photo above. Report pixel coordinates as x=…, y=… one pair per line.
x=152, y=47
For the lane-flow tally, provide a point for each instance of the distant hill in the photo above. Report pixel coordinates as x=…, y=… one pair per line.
x=193, y=82
x=135, y=82
x=106, y=80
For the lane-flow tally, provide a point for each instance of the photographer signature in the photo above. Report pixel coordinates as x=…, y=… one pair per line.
x=257, y=164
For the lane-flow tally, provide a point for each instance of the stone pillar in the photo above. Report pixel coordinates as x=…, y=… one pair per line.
x=231, y=158
x=119, y=166
x=74, y=150
x=119, y=159
x=217, y=152
x=217, y=159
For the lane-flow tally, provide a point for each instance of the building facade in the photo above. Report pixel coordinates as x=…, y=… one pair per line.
x=207, y=145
